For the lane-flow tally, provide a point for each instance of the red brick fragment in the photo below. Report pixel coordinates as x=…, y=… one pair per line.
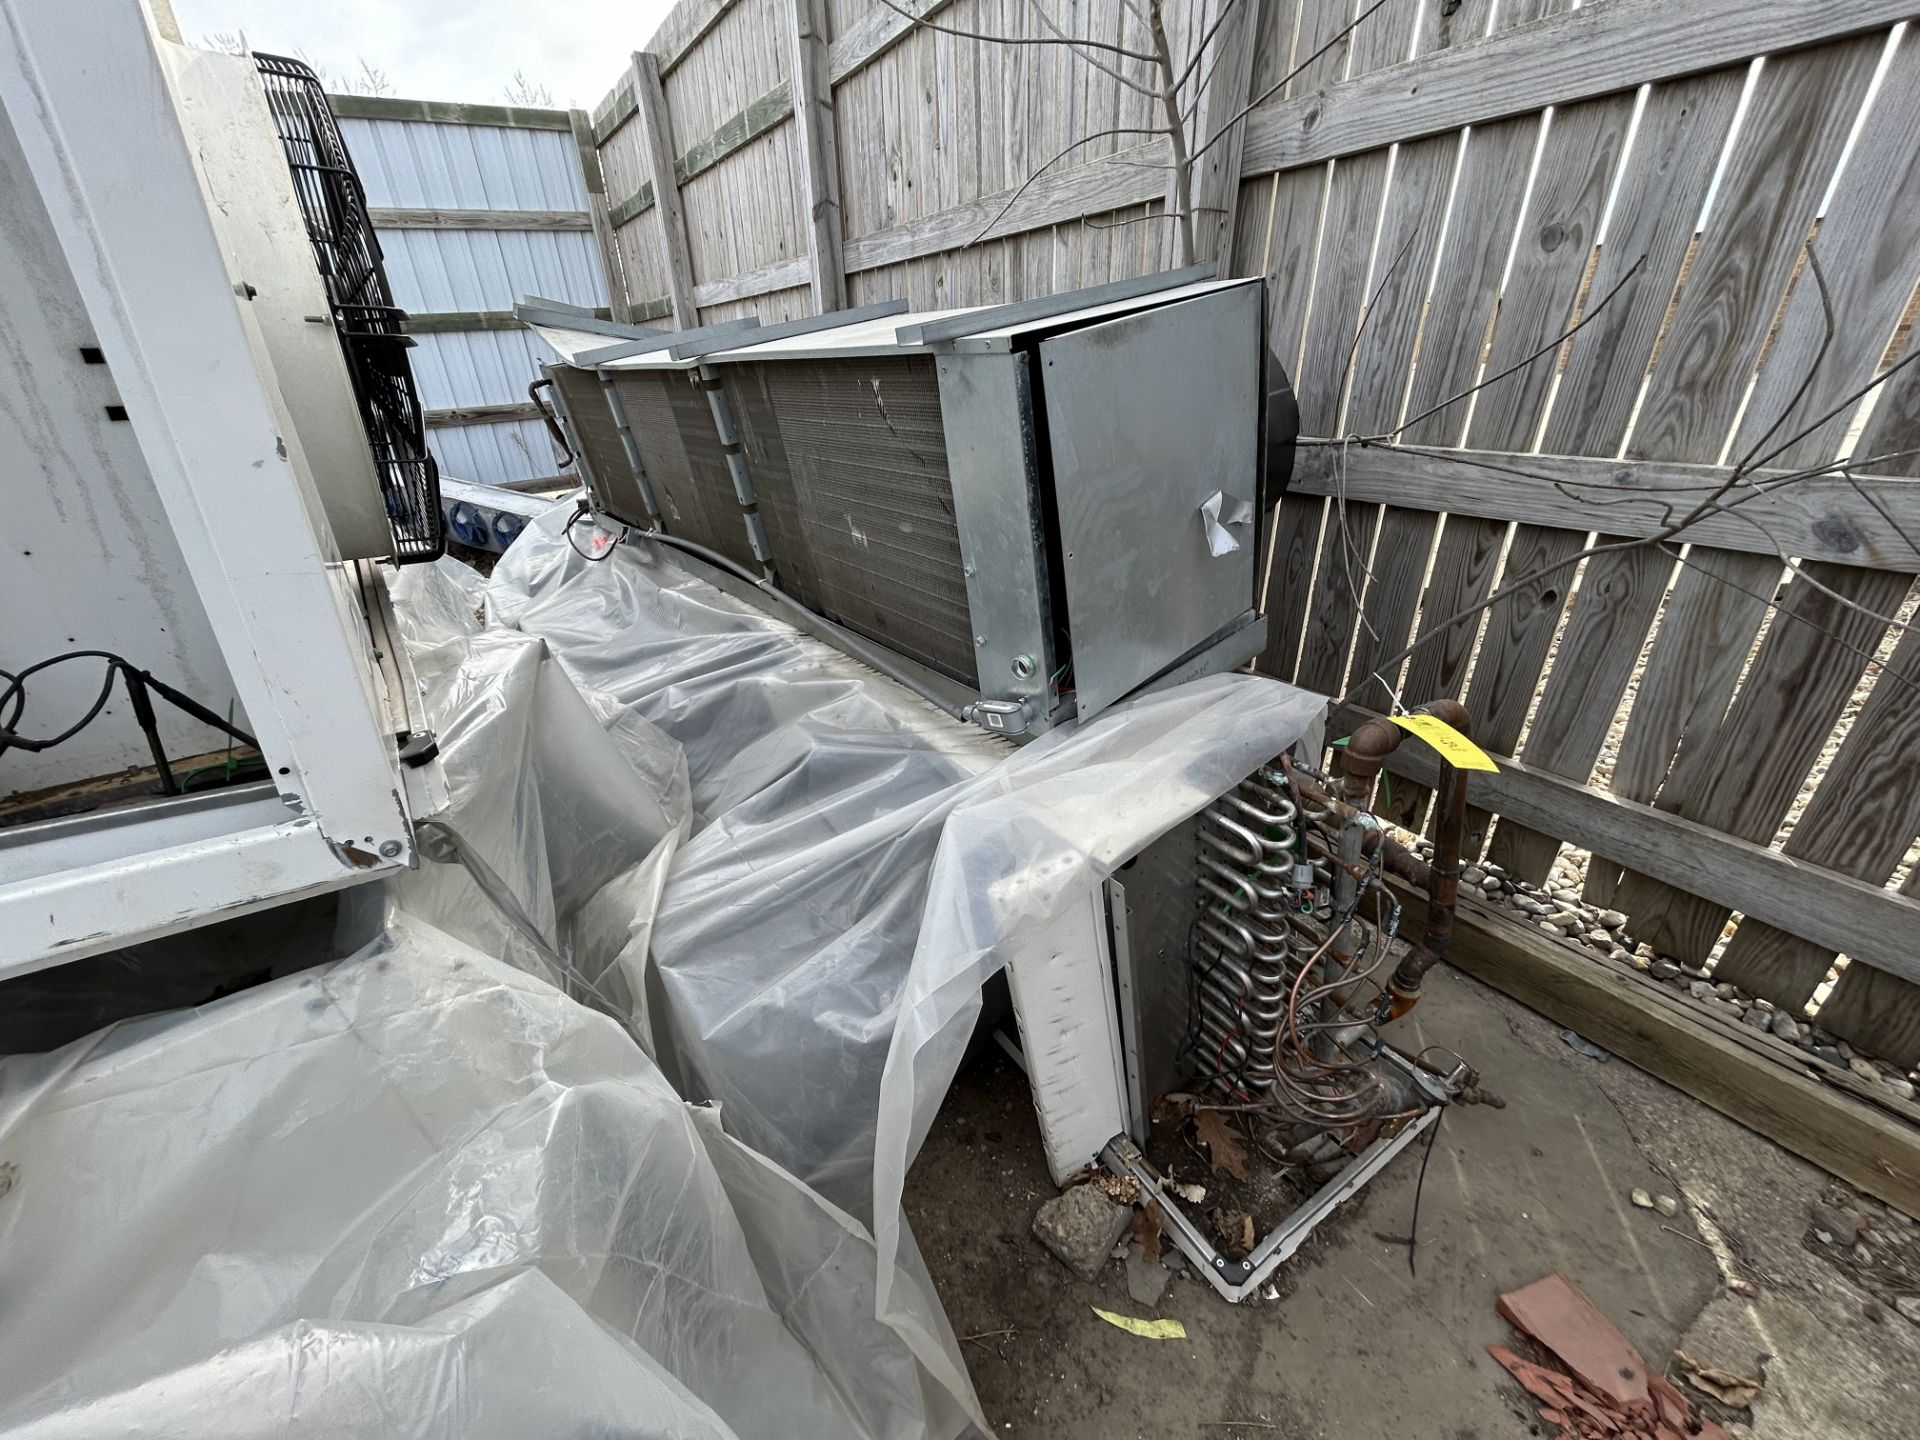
x=1555, y=1312
x=1675, y=1412
x=1711, y=1431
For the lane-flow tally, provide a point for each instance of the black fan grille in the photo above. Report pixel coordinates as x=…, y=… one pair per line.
x=371, y=327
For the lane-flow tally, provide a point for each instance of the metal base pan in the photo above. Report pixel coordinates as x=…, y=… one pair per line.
x=1238, y=1279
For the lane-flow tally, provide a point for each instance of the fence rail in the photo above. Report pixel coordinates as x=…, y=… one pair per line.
x=1557, y=275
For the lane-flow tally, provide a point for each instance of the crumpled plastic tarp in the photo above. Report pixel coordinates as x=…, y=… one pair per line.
x=422, y=1192
x=868, y=863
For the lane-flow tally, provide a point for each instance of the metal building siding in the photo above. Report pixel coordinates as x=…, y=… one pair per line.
x=419, y=165
x=434, y=271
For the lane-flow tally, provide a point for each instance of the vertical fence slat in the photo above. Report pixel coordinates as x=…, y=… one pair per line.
x=1877, y=1011
x=1796, y=127
x=1744, y=778
x=1514, y=649
x=1619, y=597
x=1339, y=290
x=1406, y=539
x=1869, y=251
x=1717, y=606
x=669, y=217
x=1463, y=566
x=1859, y=822
x=1344, y=550
x=818, y=137
x=1676, y=150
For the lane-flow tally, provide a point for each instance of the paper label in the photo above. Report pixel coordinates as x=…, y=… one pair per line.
x=1454, y=748
x=1149, y=1329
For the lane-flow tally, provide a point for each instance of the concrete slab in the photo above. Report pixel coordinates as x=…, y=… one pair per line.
x=1359, y=1346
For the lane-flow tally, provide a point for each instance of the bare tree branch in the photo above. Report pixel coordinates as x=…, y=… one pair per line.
x=1057, y=158
x=1549, y=348
x=1182, y=197
x=1091, y=59
x=1281, y=83
x=1200, y=46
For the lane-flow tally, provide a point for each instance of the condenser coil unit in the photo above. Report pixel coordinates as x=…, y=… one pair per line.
x=1049, y=505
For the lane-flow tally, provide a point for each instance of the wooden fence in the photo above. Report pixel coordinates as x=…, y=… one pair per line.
x=1435, y=201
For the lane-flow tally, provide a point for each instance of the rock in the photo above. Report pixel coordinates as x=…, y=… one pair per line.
x=1081, y=1228
x=1474, y=875
x=1864, y=1069
x=1872, y=1311
x=1784, y=1025
x=1612, y=919
x=1757, y=1019
x=1700, y=990
x=1663, y=969
x=1498, y=872
x=1623, y=957
x=1490, y=885
x=1766, y=1005
x=1692, y=972
x=1147, y=1278
x=1529, y=905
x=1666, y=1204
x=1830, y=1055
x=1552, y=929
x=1909, y=1306
x=1727, y=990
x=1174, y=1260
x=1565, y=893
x=1820, y=1037
x=1833, y=1226
x=1846, y=1050
x=1641, y=1199
x=1897, y=1086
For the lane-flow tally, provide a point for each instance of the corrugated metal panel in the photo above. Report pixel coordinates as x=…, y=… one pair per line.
x=465, y=167
x=436, y=270
x=494, y=454
x=476, y=367
x=418, y=165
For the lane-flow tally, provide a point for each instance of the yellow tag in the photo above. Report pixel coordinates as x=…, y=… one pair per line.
x=1149, y=1329
x=1454, y=748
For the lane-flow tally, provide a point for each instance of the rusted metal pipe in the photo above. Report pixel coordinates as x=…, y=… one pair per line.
x=1443, y=876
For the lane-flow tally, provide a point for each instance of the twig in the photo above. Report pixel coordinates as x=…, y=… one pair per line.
x=1281, y=83
x=924, y=24
x=1684, y=1236
x=1012, y=199
x=1177, y=135
x=1200, y=45
x=1239, y=1424
x=1826, y=339
x=1550, y=347
x=1093, y=60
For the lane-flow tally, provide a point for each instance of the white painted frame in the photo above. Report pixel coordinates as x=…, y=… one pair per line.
x=88, y=93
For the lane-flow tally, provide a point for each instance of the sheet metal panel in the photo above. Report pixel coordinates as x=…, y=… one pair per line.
x=439, y=270
x=412, y=164
x=493, y=454
x=1143, y=586
x=476, y=367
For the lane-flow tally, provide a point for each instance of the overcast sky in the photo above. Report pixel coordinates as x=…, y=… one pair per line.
x=445, y=49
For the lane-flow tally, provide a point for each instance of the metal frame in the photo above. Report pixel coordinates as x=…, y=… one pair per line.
x=174, y=324
x=1048, y=307
x=708, y=343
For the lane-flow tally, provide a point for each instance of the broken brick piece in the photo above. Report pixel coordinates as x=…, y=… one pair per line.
x=1536, y=1380
x=1675, y=1412
x=1557, y=1313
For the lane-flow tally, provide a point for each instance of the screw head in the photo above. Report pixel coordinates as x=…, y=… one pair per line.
x=390, y=848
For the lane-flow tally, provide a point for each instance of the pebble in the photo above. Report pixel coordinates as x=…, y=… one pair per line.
x=1552, y=929
x=1474, y=875
x=1641, y=1199
x=1612, y=919
x=1784, y=1025
x=1619, y=957
x=1757, y=1019
x=1860, y=1067
x=1727, y=990
x=1900, y=1088
x=1909, y=1306
x=1666, y=1204
x=1700, y=990
x=1663, y=969
x=1529, y=905
x=1693, y=972
x=1830, y=1055
x=1832, y=1226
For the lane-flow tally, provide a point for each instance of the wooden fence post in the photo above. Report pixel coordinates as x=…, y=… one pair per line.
x=818, y=131
x=651, y=102
x=1216, y=189
x=595, y=180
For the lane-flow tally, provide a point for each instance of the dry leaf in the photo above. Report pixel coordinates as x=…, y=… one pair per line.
x=1737, y=1391
x=1174, y=1106
x=1236, y=1229
x=1146, y=1227
x=1223, y=1142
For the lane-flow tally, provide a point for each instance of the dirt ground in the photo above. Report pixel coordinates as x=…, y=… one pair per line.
x=1359, y=1347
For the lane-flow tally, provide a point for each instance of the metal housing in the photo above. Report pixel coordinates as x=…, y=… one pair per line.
x=1053, y=503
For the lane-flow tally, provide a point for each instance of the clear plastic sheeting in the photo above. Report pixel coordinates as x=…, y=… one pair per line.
x=867, y=863
x=417, y=1193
